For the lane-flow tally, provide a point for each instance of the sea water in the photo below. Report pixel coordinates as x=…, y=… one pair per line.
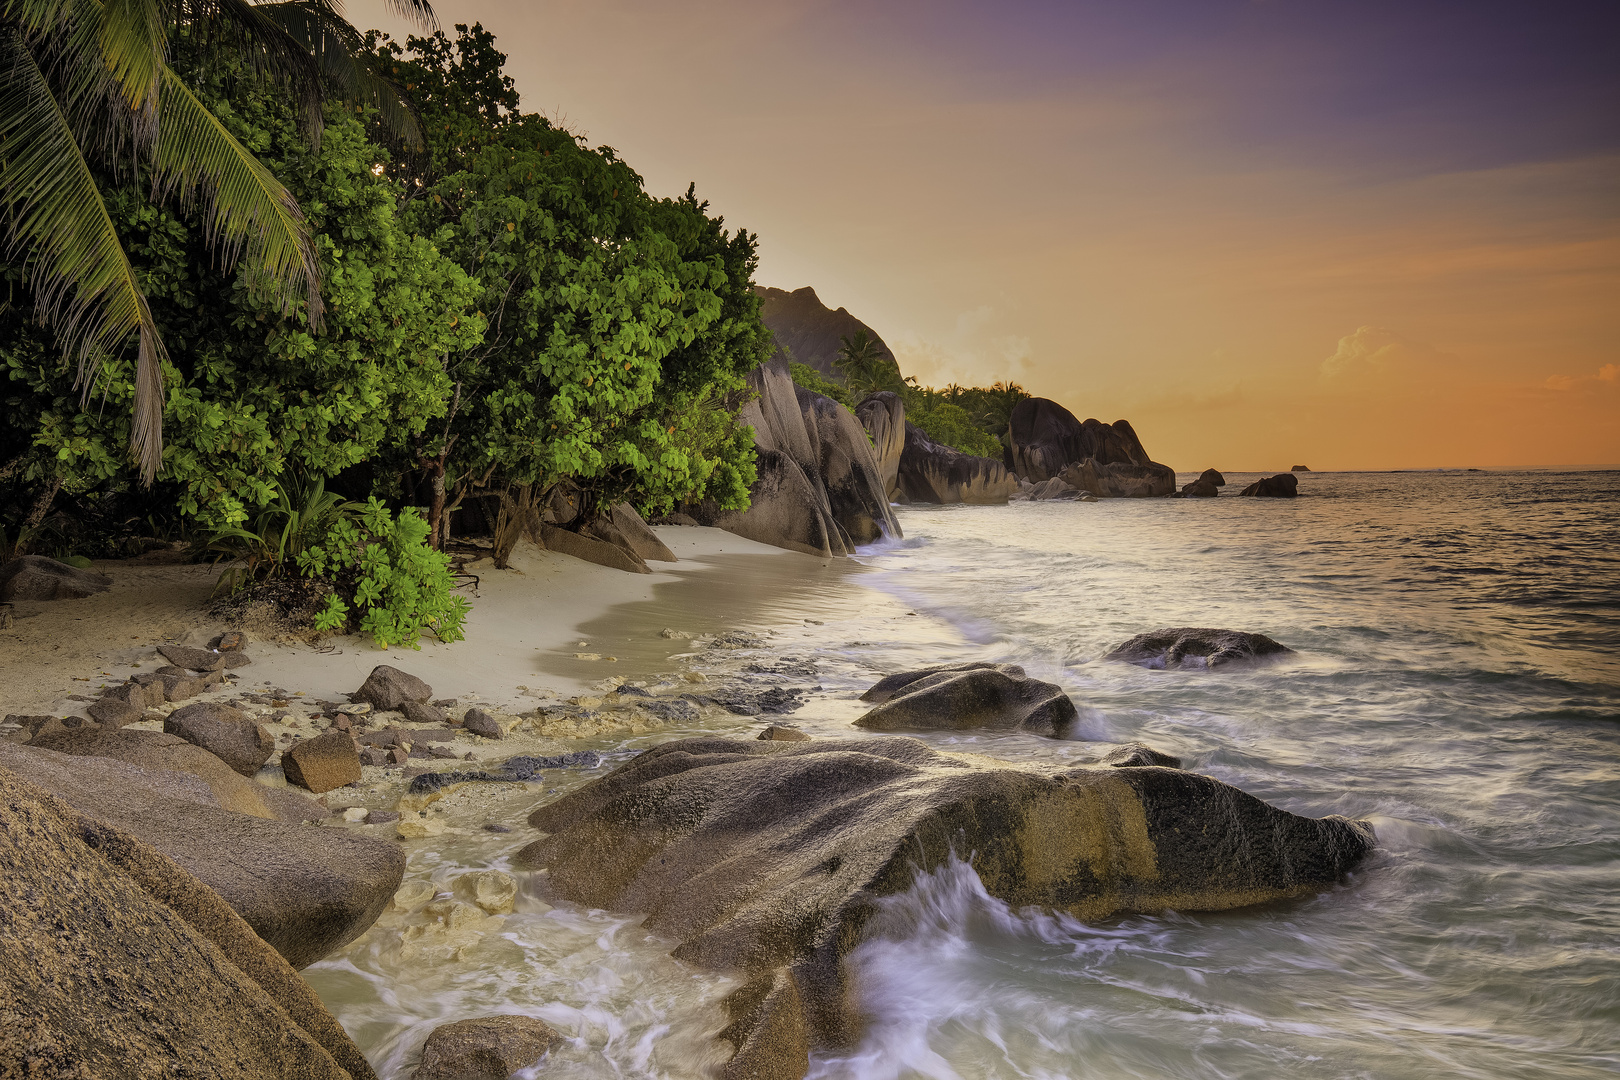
x=1456, y=681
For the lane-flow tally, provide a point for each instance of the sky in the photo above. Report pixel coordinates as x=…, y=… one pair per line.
x=1350, y=235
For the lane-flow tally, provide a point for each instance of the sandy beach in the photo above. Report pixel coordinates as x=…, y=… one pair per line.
x=550, y=626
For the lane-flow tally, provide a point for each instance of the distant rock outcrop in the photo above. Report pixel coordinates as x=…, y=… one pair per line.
x=934, y=473
x=810, y=331
x=1281, y=486
x=1105, y=459
x=820, y=488
x=1300, y=468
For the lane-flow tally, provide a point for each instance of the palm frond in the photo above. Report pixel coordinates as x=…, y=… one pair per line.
x=134, y=43
x=84, y=286
x=346, y=65
x=249, y=211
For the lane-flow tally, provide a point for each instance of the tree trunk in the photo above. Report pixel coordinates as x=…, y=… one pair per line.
x=42, y=505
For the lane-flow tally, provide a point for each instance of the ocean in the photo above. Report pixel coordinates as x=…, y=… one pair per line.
x=1456, y=682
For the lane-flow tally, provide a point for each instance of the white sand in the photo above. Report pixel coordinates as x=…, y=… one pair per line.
x=522, y=633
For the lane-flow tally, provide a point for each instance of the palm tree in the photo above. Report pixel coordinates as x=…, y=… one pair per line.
x=86, y=85
x=861, y=361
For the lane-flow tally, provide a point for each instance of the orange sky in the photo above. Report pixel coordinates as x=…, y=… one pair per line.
x=1267, y=233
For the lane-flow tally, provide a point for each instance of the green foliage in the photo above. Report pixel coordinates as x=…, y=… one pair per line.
x=387, y=575
x=808, y=377
x=951, y=425
x=91, y=86
x=973, y=419
x=620, y=326
x=298, y=519
x=251, y=392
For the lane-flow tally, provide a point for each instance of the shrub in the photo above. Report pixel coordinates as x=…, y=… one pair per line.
x=394, y=582
x=808, y=377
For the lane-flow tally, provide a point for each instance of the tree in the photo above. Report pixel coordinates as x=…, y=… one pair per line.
x=619, y=326
x=255, y=397
x=86, y=87
x=865, y=368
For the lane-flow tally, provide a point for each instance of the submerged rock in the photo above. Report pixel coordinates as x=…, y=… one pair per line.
x=1176, y=646
x=488, y=1048
x=115, y=961
x=954, y=697
x=34, y=577
x=1281, y=486
x=769, y=858
x=522, y=769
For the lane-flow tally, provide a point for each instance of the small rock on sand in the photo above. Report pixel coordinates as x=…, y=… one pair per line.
x=184, y=656
x=323, y=763
x=388, y=688
x=481, y=723
x=227, y=733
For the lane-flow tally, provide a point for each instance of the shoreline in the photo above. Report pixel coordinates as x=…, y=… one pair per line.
x=523, y=633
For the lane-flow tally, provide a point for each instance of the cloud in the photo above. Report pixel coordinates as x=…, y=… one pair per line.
x=973, y=353
x=1608, y=373
x=1376, y=351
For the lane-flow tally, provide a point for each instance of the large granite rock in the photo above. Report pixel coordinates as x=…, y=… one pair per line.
x=485, y=1048
x=636, y=533
x=594, y=548
x=820, y=489
x=1282, y=486
x=954, y=697
x=883, y=415
x=114, y=961
x=1046, y=440
x=768, y=859
x=306, y=891
x=34, y=577
x=846, y=463
x=1195, y=647
x=166, y=752
x=932, y=473
x=811, y=332
x=229, y=734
